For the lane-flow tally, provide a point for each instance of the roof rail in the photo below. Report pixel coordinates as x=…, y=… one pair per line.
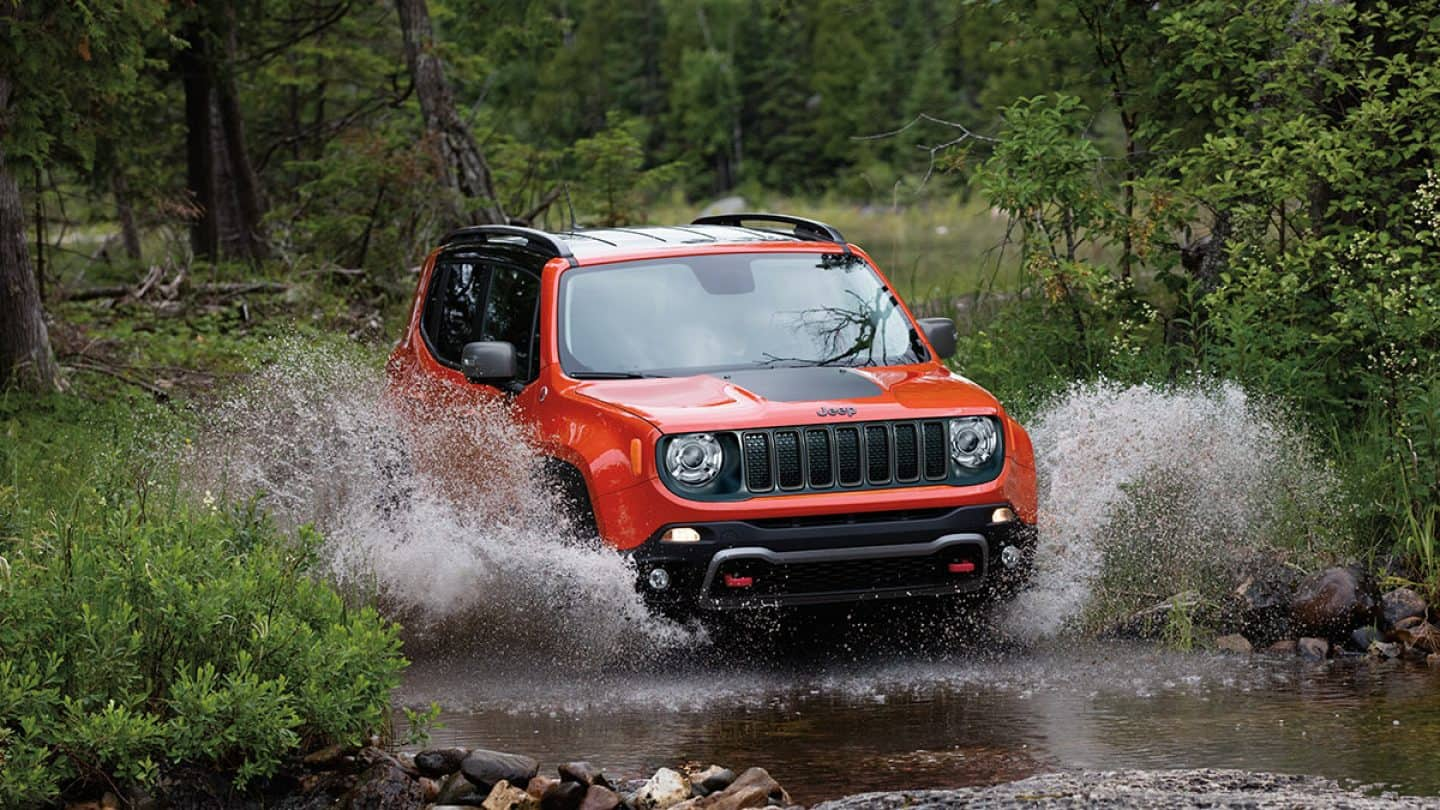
x=538, y=241
x=808, y=229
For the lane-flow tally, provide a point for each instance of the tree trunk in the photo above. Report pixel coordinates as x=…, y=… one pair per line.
x=26, y=360
x=462, y=165
x=125, y=211
x=249, y=206
x=199, y=165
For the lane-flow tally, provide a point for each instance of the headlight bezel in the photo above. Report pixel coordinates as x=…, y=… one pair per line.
x=726, y=481
x=694, y=459
x=972, y=442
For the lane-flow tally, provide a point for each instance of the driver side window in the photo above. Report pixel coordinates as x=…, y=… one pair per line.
x=474, y=298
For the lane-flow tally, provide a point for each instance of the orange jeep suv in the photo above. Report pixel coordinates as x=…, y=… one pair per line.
x=742, y=404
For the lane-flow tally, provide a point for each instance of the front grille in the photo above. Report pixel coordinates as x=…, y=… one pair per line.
x=821, y=457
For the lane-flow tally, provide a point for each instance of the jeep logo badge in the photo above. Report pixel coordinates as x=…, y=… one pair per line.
x=823, y=411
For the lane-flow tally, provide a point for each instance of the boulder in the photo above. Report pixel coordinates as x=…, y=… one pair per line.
x=1401, y=604
x=456, y=789
x=712, y=779
x=485, y=768
x=1282, y=647
x=536, y=787
x=384, y=786
x=666, y=788
x=505, y=796
x=1264, y=600
x=582, y=772
x=1313, y=649
x=1418, y=635
x=328, y=757
x=1362, y=637
x=563, y=796
x=599, y=797
x=1383, y=649
x=1234, y=643
x=753, y=788
x=1331, y=603
x=440, y=761
x=429, y=787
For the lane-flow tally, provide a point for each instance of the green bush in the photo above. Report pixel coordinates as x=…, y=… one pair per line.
x=139, y=631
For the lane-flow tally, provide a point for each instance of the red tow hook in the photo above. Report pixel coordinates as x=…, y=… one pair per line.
x=733, y=581
x=962, y=567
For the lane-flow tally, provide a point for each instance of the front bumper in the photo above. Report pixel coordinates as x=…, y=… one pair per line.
x=831, y=559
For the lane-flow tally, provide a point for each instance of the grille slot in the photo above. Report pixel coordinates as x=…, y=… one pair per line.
x=907, y=453
x=817, y=451
x=789, y=471
x=877, y=453
x=847, y=449
x=935, y=450
x=757, y=462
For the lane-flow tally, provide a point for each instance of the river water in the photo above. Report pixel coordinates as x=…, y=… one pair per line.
x=826, y=728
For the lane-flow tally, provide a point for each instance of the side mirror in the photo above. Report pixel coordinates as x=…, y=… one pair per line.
x=491, y=362
x=941, y=334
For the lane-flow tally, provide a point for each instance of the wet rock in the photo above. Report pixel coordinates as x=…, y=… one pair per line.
x=582, y=772
x=710, y=780
x=536, y=787
x=753, y=788
x=440, y=761
x=1313, y=649
x=1282, y=647
x=1362, y=637
x=1401, y=604
x=456, y=789
x=599, y=797
x=1234, y=643
x=486, y=768
x=328, y=757
x=429, y=787
x=1333, y=602
x=384, y=786
x=1264, y=600
x=1418, y=635
x=1383, y=649
x=563, y=796
x=666, y=788
x=505, y=796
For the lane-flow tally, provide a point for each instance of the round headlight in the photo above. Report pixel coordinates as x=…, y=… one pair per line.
x=694, y=459
x=972, y=440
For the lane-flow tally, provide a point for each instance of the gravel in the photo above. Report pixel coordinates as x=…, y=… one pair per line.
x=1181, y=788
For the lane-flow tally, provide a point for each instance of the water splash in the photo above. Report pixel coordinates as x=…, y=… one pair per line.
x=1162, y=480
x=447, y=521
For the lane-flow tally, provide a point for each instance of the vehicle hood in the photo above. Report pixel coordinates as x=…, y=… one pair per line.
x=792, y=396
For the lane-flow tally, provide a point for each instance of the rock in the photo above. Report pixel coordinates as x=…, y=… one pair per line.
x=384, y=786
x=1234, y=643
x=440, y=761
x=599, y=797
x=1400, y=604
x=563, y=796
x=505, y=796
x=1313, y=649
x=1432, y=660
x=582, y=772
x=1282, y=647
x=109, y=801
x=486, y=768
x=1383, y=649
x=536, y=787
x=1333, y=602
x=712, y=779
x=666, y=788
x=1264, y=600
x=1362, y=637
x=456, y=789
x=753, y=788
x=327, y=757
x=1418, y=634
x=429, y=787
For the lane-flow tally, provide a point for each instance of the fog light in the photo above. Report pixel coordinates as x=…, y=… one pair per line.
x=681, y=534
x=1002, y=515
x=659, y=579
x=1010, y=556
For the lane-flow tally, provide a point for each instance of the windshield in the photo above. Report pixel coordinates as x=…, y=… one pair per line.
x=697, y=314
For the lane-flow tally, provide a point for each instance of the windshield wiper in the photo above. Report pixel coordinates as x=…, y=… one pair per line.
x=613, y=375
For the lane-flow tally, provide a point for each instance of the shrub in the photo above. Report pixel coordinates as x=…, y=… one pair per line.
x=137, y=634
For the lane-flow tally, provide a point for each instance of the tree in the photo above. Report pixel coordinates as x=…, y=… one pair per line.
x=62, y=66
x=465, y=171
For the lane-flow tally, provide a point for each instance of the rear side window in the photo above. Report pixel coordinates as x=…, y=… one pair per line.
x=474, y=298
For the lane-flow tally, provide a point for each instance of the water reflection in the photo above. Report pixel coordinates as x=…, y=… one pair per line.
x=828, y=728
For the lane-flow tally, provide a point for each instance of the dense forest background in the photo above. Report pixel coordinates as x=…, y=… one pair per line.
x=1126, y=190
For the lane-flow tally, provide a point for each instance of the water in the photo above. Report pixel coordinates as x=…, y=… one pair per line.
x=533, y=639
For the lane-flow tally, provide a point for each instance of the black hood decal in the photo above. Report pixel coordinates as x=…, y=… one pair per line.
x=804, y=384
